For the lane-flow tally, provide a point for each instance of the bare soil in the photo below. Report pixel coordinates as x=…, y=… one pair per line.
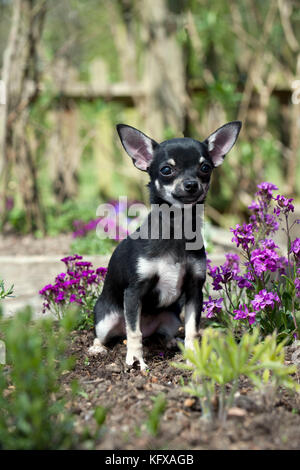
x=255, y=422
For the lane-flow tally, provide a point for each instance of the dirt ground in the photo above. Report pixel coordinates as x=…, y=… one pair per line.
x=255, y=422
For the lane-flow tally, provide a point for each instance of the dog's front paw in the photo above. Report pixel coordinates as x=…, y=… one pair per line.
x=97, y=348
x=130, y=360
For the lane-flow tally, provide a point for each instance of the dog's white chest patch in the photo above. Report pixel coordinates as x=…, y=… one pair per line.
x=170, y=277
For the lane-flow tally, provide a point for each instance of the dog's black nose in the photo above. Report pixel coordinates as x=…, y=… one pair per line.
x=191, y=186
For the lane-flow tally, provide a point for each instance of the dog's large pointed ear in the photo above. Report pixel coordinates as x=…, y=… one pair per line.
x=138, y=146
x=221, y=141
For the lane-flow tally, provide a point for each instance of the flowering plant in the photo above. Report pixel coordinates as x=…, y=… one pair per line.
x=262, y=288
x=79, y=285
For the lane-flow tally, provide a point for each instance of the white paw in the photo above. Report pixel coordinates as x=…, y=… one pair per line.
x=97, y=348
x=130, y=360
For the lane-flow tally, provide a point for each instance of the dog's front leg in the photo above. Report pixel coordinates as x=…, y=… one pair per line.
x=132, y=313
x=193, y=310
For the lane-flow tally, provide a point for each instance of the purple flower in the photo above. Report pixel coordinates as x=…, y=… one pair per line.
x=297, y=283
x=79, y=281
x=101, y=272
x=74, y=298
x=82, y=228
x=232, y=262
x=283, y=205
x=264, y=299
x=270, y=223
x=243, y=235
x=262, y=219
x=264, y=260
x=266, y=190
x=60, y=277
x=214, y=272
x=69, y=259
x=48, y=287
x=295, y=246
x=213, y=307
x=295, y=249
x=243, y=312
x=243, y=282
x=83, y=264
x=254, y=206
x=60, y=297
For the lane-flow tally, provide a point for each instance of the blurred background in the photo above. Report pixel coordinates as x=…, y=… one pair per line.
x=72, y=69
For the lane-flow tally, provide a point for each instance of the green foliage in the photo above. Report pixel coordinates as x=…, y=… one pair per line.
x=59, y=219
x=90, y=244
x=32, y=411
x=17, y=219
x=220, y=361
x=100, y=415
x=155, y=414
x=5, y=293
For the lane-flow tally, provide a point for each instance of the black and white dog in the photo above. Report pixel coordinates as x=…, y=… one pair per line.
x=151, y=278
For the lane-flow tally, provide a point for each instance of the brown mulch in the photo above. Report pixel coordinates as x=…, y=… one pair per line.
x=255, y=422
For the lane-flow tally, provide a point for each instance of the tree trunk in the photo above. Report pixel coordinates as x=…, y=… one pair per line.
x=164, y=71
x=21, y=78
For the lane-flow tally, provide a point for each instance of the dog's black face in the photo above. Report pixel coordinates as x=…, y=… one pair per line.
x=180, y=172
x=179, y=169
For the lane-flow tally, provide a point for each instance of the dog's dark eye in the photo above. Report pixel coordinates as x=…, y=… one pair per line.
x=205, y=168
x=166, y=170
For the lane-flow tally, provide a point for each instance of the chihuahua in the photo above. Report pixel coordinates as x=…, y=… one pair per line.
x=151, y=278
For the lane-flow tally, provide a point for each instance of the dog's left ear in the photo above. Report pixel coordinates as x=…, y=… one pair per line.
x=138, y=146
x=221, y=141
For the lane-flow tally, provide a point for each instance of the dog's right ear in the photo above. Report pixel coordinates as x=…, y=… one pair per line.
x=138, y=146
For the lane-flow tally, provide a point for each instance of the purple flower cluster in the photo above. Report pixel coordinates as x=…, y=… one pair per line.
x=264, y=258
x=212, y=307
x=265, y=299
x=265, y=190
x=295, y=249
x=297, y=284
x=243, y=235
x=262, y=219
x=243, y=312
x=228, y=272
x=261, y=301
x=74, y=285
x=82, y=228
x=284, y=205
x=254, y=290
